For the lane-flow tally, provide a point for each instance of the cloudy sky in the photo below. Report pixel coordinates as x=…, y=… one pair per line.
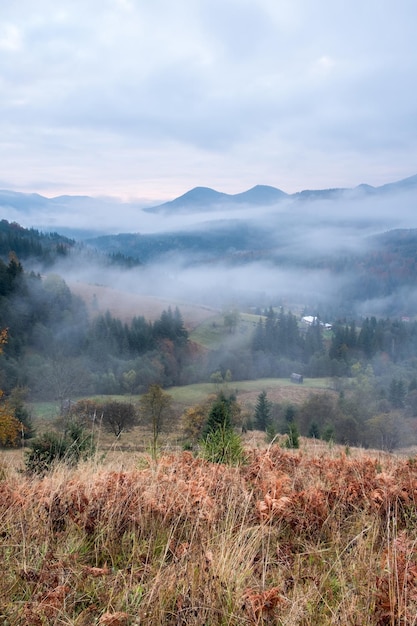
x=149, y=98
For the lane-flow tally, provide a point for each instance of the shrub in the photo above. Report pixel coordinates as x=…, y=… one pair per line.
x=223, y=445
x=48, y=449
x=293, y=436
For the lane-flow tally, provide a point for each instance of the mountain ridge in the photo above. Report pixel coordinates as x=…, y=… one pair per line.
x=205, y=197
x=262, y=195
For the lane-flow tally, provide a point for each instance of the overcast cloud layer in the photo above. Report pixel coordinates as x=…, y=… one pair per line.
x=145, y=99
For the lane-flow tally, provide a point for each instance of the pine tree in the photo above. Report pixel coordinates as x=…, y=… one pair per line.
x=262, y=412
x=397, y=393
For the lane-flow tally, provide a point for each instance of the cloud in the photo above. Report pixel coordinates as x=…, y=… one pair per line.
x=122, y=97
x=10, y=38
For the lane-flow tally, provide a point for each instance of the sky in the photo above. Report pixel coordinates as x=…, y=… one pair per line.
x=145, y=100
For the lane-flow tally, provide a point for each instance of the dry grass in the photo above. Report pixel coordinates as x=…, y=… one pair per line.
x=125, y=305
x=307, y=537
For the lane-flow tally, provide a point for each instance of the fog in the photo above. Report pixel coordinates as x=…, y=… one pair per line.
x=371, y=209
x=235, y=254
x=251, y=285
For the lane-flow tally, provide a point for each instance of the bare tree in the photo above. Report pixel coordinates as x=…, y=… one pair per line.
x=155, y=407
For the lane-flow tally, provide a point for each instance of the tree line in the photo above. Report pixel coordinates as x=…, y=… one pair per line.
x=56, y=351
x=280, y=344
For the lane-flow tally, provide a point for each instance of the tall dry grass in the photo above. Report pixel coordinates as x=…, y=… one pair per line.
x=292, y=537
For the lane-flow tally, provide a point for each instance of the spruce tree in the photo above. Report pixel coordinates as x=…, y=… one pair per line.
x=262, y=412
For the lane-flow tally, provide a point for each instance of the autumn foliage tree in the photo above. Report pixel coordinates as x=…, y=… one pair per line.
x=11, y=429
x=193, y=420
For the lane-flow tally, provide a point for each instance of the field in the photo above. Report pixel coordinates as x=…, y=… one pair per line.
x=211, y=332
x=323, y=535
x=125, y=305
x=279, y=390
x=315, y=536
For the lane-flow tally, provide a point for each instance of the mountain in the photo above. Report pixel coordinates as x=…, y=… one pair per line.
x=74, y=216
x=198, y=197
x=21, y=201
x=207, y=198
x=260, y=194
x=84, y=217
x=406, y=184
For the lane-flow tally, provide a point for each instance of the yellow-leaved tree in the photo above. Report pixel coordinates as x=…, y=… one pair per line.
x=11, y=430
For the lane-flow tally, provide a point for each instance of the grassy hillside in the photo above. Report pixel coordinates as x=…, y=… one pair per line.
x=125, y=305
x=212, y=332
x=292, y=538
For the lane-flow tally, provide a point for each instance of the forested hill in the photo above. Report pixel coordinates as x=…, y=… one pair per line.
x=220, y=241
x=30, y=243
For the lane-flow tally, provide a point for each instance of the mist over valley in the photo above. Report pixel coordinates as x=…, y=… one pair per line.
x=321, y=283
x=332, y=251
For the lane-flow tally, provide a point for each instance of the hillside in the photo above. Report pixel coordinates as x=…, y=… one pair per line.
x=313, y=536
x=32, y=244
x=216, y=241
x=125, y=305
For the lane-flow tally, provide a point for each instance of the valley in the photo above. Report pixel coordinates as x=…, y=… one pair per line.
x=217, y=289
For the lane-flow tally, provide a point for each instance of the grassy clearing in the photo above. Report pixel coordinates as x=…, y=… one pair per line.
x=278, y=389
x=212, y=333
x=303, y=537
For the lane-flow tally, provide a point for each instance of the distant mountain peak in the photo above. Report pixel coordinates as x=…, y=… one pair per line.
x=404, y=184
x=210, y=198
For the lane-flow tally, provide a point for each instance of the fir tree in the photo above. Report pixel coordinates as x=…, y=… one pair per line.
x=262, y=412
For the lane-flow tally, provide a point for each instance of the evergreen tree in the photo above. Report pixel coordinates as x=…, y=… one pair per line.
x=397, y=393
x=290, y=412
x=262, y=412
x=258, y=340
x=313, y=343
x=220, y=414
x=314, y=431
x=293, y=436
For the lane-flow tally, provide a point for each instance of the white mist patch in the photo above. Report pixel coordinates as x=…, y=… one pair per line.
x=213, y=286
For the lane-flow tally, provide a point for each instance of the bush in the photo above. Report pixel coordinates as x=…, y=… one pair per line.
x=293, y=436
x=50, y=448
x=223, y=445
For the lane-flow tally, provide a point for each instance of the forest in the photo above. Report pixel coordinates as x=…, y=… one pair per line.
x=58, y=350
